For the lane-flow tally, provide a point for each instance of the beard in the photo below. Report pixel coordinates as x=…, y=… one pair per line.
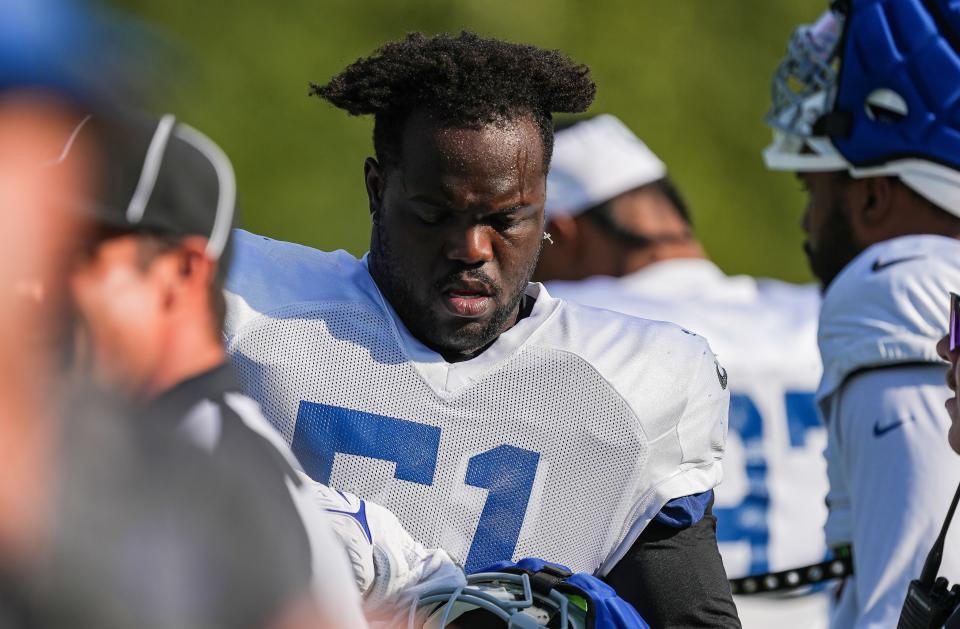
x=402, y=291
x=836, y=247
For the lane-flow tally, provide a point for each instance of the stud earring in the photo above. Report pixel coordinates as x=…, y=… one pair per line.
x=546, y=236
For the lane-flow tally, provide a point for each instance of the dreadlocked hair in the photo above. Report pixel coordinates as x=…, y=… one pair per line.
x=464, y=81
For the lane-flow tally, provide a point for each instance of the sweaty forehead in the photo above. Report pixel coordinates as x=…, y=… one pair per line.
x=501, y=155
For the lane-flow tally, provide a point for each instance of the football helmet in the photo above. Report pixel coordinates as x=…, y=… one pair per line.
x=890, y=103
x=527, y=594
x=897, y=106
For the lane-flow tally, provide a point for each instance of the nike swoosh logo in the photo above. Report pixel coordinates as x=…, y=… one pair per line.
x=879, y=266
x=360, y=515
x=879, y=431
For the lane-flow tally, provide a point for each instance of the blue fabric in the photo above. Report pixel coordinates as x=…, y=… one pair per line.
x=681, y=513
x=74, y=48
x=902, y=46
x=527, y=564
x=606, y=609
x=360, y=515
x=40, y=41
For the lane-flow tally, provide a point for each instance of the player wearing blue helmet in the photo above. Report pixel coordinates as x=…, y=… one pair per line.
x=865, y=112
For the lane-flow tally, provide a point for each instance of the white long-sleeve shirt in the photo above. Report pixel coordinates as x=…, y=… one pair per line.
x=891, y=470
x=890, y=429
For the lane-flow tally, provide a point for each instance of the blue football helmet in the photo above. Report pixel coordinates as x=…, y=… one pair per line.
x=892, y=107
x=897, y=107
x=528, y=594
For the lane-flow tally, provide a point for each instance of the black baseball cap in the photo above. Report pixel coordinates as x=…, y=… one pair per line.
x=159, y=176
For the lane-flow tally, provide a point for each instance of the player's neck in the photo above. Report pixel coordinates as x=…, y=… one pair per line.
x=643, y=257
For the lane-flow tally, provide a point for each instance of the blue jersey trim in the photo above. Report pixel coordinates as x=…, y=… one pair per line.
x=681, y=513
x=360, y=515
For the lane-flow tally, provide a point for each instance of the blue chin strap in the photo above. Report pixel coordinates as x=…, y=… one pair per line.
x=898, y=91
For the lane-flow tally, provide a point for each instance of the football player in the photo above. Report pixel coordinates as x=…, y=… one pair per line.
x=868, y=126
x=431, y=375
x=624, y=240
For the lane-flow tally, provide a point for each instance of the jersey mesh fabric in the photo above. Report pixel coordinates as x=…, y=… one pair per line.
x=562, y=440
x=597, y=454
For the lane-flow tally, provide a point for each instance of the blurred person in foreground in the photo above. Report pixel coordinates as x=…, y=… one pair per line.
x=38, y=232
x=433, y=376
x=863, y=115
x=148, y=294
x=623, y=239
x=142, y=528
x=42, y=432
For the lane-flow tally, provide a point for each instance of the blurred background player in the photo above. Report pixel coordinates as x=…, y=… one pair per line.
x=623, y=239
x=870, y=130
x=496, y=421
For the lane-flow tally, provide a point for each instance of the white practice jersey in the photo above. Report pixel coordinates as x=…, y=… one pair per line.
x=770, y=507
x=561, y=441
x=892, y=474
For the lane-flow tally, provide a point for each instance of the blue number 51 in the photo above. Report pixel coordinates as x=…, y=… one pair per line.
x=506, y=472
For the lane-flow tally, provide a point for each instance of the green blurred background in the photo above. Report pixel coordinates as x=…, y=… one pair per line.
x=691, y=77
